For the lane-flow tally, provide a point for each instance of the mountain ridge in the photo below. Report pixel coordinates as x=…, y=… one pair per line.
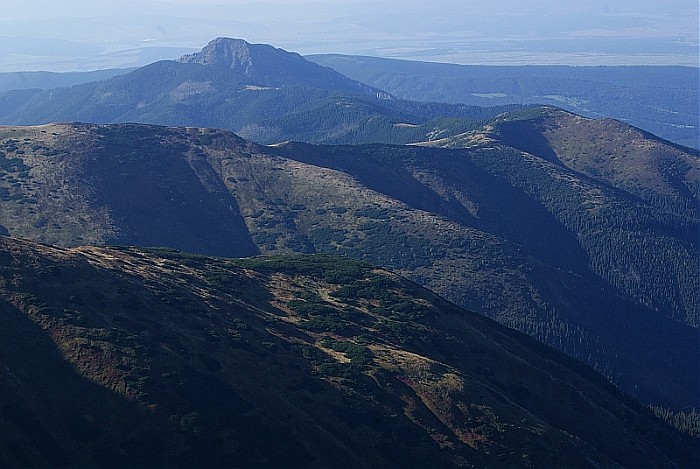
x=550, y=259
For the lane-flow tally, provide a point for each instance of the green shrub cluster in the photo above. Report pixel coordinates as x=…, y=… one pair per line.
x=332, y=269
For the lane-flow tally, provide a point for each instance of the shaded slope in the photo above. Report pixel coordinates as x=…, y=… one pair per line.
x=575, y=276
x=611, y=151
x=651, y=190
x=122, y=185
x=287, y=361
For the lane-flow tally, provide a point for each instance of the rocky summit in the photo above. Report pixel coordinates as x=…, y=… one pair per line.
x=223, y=52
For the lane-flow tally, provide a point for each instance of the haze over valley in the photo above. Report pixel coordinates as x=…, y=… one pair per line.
x=81, y=35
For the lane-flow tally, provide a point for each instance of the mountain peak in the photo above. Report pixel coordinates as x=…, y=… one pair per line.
x=267, y=66
x=223, y=51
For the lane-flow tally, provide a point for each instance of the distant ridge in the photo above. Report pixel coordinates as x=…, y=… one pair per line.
x=660, y=99
x=48, y=80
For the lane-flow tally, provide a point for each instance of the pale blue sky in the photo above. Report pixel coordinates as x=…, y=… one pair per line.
x=84, y=35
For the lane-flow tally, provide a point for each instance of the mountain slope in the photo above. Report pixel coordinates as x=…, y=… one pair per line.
x=521, y=238
x=91, y=184
x=126, y=357
x=262, y=93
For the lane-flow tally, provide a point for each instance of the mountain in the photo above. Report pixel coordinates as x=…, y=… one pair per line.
x=267, y=66
x=125, y=357
x=660, y=99
x=262, y=93
x=543, y=234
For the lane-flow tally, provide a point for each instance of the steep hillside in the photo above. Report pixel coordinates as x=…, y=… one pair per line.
x=660, y=99
x=521, y=238
x=262, y=93
x=138, y=358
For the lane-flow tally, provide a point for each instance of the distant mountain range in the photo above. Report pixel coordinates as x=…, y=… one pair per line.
x=155, y=358
x=293, y=94
x=526, y=222
x=260, y=92
x=663, y=100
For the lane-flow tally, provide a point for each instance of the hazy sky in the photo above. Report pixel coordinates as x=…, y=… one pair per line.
x=83, y=35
